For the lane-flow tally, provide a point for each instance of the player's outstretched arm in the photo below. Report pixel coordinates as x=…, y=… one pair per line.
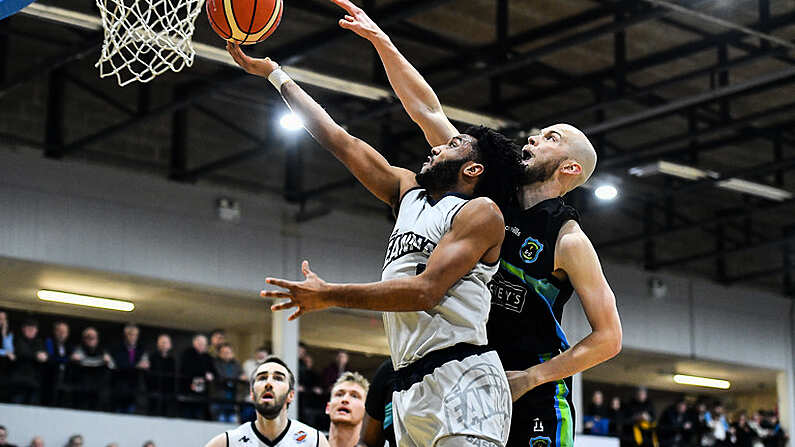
x=476, y=235
x=373, y=170
x=218, y=441
x=576, y=256
x=417, y=97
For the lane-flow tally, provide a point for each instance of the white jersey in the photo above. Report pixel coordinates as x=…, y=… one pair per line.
x=462, y=314
x=296, y=434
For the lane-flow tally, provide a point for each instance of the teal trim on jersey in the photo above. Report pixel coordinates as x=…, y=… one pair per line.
x=564, y=437
x=543, y=288
x=387, y=416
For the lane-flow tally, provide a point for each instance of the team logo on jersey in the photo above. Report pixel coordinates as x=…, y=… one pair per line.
x=531, y=249
x=540, y=441
x=300, y=437
x=507, y=295
x=245, y=439
x=405, y=243
x=538, y=425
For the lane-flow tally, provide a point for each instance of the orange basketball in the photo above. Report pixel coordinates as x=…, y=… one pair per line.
x=244, y=21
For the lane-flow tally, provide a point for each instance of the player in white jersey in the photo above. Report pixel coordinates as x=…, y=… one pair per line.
x=272, y=390
x=452, y=390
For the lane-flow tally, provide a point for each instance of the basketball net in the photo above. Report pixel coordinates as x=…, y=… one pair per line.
x=144, y=38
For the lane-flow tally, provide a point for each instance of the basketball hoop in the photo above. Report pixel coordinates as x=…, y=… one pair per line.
x=144, y=38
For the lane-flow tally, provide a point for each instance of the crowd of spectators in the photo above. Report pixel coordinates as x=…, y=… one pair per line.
x=686, y=423
x=205, y=381
x=38, y=441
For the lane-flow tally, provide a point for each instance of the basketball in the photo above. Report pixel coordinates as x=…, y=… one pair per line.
x=244, y=21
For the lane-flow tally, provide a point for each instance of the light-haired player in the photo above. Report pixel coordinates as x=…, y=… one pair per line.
x=272, y=390
x=345, y=409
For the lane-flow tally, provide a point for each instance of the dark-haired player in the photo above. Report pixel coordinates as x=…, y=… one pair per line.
x=272, y=390
x=545, y=257
x=443, y=251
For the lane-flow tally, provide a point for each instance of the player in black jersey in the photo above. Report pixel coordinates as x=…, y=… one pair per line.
x=544, y=258
x=377, y=428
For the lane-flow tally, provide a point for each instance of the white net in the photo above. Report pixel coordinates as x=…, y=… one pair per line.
x=144, y=38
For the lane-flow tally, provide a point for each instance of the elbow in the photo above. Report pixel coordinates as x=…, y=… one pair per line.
x=428, y=296
x=614, y=342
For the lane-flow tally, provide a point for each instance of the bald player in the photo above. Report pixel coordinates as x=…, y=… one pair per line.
x=545, y=256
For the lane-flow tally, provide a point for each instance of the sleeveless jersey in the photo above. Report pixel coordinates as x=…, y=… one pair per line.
x=296, y=434
x=526, y=299
x=461, y=315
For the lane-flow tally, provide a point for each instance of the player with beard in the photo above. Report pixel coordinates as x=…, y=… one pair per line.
x=443, y=251
x=545, y=257
x=345, y=409
x=272, y=391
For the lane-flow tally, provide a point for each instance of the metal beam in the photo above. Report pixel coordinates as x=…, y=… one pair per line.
x=776, y=242
x=765, y=81
x=99, y=94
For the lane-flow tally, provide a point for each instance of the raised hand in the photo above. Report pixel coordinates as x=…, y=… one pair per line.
x=309, y=295
x=257, y=67
x=357, y=20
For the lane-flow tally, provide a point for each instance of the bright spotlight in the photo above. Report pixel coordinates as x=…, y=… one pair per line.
x=702, y=381
x=606, y=192
x=291, y=121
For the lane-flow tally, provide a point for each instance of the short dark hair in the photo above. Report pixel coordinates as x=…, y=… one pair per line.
x=278, y=361
x=263, y=348
x=217, y=331
x=3, y=427
x=502, y=163
x=30, y=322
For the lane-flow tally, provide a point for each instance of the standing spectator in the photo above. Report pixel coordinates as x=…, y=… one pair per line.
x=644, y=431
x=58, y=353
x=259, y=356
x=197, y=372
x=37, y=442
x=310, y=393
x=229, y=373
x=675, y=426
x=719, y=427
x=217, y=338
x=75, y=441
x=641, y=404
x=4, y=438
x=130, y=360
x=345, y=409
x=595, y=420
x=745, y=436
x=162, y=378
x=776, y=437
x=91, y=372
x=6, y=354
x=333, y=371
x=26, y=372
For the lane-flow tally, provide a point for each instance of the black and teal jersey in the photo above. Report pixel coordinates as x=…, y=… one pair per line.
x=526, y=299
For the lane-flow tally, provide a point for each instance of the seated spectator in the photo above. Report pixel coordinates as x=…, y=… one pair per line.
x=6, y=354
x=675, y=427
x=229, y=372
x=217, y=338
x=75, y=441
x=162, y=378
x=129, y=359
x=91, y=366
x=4, y=438
x=641, y=404
x=58, y=353
x=149, y=444
x=345, y=409
x=197, y=372
x=37, y=442
x=251, y=364
x=595, y=419
x=27, y=368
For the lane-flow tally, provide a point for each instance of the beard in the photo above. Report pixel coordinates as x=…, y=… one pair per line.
x=271, y=411
x=540, y=172
x=441, y=176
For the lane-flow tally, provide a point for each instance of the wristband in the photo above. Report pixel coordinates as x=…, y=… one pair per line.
x=278, y=77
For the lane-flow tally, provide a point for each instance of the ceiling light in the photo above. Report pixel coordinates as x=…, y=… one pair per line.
x=85, y=300
x=755, y=189
x=291, y=121
x=672, y=169
x=702, y=381
x=606, y=192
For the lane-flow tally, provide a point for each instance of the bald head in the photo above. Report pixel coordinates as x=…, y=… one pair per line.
x=558, y=155
x=579, y=149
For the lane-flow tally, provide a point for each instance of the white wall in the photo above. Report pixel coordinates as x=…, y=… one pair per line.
x=55, y=426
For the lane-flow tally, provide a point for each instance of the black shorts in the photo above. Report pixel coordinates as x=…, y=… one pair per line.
x=544, y=417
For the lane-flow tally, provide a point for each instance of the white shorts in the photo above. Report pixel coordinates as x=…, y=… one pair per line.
x=469, y=398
